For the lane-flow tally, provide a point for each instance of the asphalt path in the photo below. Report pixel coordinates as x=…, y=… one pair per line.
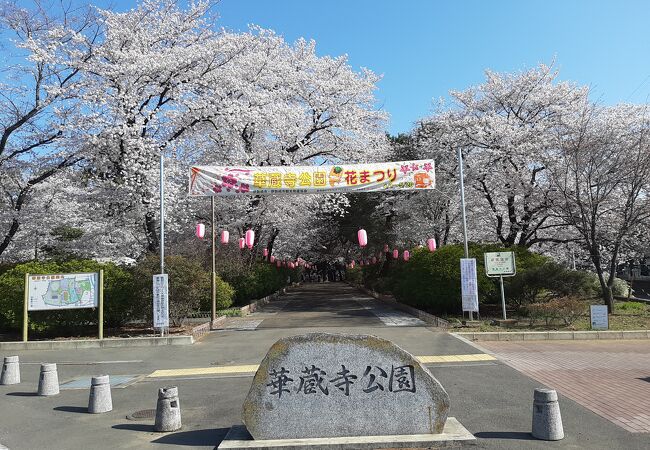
x=492, y=400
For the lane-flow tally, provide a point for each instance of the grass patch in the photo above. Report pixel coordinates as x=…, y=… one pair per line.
x=627, y=316
x=230, y=312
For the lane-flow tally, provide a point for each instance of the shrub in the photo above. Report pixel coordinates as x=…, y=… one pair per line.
x=118, y=307
x=620, y=287
x=431, y=281
x=225, y=294
x=539, y=283
x=189, y=287
x=568, y=309
x=260, y=280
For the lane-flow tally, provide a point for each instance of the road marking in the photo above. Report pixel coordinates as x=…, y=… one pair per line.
x=219, y=370
x=87, y=363
x=455, y=358
x=389, y=317
x=204, y=371
x=237, y=324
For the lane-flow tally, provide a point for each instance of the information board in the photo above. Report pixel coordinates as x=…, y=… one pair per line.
x=62, y=291
x=468, y=284
x=160, y=301
x=599, y=317
x=500, y=264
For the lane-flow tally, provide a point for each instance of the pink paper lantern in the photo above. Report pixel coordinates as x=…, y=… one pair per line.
x=265, y=252
x=225, y=236
x=431, y=243
x=292, y=265
x=272, y=259
x=363, y=237
x=386, y=249
x=395, y=254
x=250, y=238
x=242, y=243
x=200, y=230
x=278, y=263
x=352, y=264
x=407, y=255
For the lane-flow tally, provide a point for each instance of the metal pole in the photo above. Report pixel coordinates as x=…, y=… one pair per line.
x=462, y=207
x=503, y=299
x=101, y=304
x=25, y=308
x=162, y=219
x=214, y=266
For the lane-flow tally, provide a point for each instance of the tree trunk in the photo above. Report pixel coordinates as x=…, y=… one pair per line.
x=150, y=227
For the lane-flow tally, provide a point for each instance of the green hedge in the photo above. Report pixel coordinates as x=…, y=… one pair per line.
x=260, y=280
x=189, y=287
x=118, y=305
x=128, y=291
x=431, y=281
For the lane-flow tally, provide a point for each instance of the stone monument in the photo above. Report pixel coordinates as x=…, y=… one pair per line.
x=333, y=385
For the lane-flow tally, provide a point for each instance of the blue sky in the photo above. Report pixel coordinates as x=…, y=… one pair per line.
x=424, y=48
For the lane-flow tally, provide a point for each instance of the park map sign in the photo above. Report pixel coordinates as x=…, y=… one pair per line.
x=387, y=176
x=62, y=291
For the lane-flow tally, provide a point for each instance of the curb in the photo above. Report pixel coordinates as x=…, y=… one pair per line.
x=553, y=335
x=96, y=343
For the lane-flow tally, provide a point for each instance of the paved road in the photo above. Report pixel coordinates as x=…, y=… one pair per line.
x=489, y=398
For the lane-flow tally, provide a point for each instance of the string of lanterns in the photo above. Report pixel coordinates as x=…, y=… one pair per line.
x=362, y=237
x=248, y=241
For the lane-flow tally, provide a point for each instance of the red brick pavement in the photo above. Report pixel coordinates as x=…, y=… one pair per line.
x=611, y=378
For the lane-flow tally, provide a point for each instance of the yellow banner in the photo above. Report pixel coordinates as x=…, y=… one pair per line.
x=389, y=176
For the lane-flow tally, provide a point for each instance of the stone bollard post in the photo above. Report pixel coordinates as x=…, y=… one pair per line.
x=547, y=422
x=10, y=371
x=48, y=382
x=168, y=410
x=100, y=400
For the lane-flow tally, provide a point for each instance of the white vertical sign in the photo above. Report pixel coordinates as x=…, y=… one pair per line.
x=160, y=301
x=599, y=317
x=468, y=284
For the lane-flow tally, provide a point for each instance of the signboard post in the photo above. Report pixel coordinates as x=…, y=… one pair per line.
x=468, y=284
x=599, y=318
x=53, y=292
x=161, y=302
x=500, y=264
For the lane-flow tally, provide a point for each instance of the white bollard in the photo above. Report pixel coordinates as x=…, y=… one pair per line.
x=100, y=400
x=10, y=371
x=547, y=421
x=168, y=410
x=48, y=382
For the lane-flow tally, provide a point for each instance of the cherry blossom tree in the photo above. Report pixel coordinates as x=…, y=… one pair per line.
x=37, y=101
x=165, y=81
x=505, y=128
x=603, y=177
